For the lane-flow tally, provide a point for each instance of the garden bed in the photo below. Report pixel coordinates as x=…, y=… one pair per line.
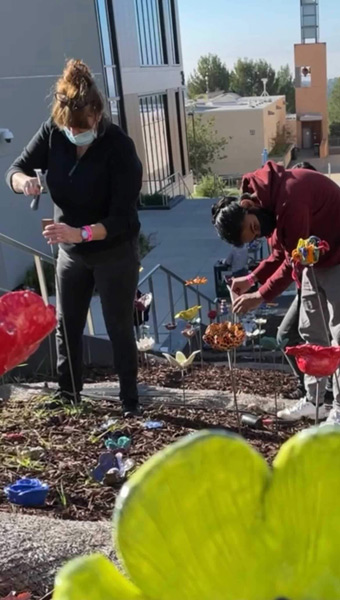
x=67, y=451
x=209, y=377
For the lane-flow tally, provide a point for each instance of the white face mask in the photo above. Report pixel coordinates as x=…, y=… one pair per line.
x=81, y=139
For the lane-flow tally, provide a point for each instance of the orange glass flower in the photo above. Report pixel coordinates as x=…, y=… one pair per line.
x=224, y=336
x=196, y=281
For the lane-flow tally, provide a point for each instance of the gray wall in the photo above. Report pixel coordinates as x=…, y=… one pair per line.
x=36, y=36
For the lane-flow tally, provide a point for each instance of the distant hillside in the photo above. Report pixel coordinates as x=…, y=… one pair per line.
x=330, y=84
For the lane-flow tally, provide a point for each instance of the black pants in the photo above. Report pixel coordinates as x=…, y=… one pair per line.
x=114, y=273
x=289, y=331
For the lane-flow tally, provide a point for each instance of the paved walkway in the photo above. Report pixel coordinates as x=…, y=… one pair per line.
x=324, y=165
x=186, y=243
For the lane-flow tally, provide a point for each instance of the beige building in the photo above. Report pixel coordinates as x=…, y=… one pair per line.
x=249, y=125
x=134, y=50
x=311, y=82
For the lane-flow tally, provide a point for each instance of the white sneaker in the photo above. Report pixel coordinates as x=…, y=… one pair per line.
x=302, y=409
x=333, y=417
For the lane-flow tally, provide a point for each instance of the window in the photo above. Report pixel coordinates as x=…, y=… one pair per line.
x=109, y=62
x=171, y=11
x=157, y=144
x=151, y=32
x=178, y=98
x=306, y=77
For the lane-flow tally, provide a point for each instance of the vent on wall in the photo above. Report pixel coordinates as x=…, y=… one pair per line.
x=252, y=131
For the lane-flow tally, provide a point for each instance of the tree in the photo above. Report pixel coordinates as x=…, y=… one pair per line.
x=247, y=75
x=211, y=74
x=284, y=85
x=204, y=144
x=334, y=109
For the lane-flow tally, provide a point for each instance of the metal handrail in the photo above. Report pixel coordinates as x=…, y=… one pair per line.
x=148, y=278
x=171, y=180
x=160, y=267
x=20, y=246
x=185, y=184
x=38, y=258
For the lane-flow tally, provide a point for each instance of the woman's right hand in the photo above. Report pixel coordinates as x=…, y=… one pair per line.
x=31, y=187
x=240, y=285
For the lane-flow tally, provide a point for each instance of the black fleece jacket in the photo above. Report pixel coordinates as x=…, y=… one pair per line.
x=100, y=187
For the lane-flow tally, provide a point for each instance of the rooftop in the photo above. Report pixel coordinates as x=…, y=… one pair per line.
x=232, y=102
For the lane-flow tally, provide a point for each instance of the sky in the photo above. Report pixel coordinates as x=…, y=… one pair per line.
x=240, y=28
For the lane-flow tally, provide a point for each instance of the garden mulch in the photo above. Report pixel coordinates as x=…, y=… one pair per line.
x=67, y=448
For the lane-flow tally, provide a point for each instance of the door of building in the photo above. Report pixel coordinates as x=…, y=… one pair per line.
x=307, y=140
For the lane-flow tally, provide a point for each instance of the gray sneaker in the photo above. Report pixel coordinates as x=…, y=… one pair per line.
x=303, y=409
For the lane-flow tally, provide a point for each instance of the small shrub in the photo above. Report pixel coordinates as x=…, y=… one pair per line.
x=31, y=280
x=155, y=199
x=145, y=244
x=210, y=186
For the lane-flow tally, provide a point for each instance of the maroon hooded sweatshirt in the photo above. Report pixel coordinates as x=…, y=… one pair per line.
x=305, y=203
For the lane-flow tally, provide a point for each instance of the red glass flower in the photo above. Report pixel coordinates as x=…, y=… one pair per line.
x=319, y=361
x=24, y=322
x=212, y=314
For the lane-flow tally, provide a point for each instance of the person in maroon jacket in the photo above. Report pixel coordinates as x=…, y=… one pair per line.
x=294, y=204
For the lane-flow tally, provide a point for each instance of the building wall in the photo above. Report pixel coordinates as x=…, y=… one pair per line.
x=248, y=132
x=138, y=81
x=36, y=36
x=274, y=121
x=35, y=39
x=291, y=129
x=312, y=99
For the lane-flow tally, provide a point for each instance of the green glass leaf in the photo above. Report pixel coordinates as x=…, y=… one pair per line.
x=188, y=523
x=268, y=343
x=93, y=577
x=303, y=516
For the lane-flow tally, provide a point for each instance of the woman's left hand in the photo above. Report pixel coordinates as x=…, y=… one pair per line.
x=60, y=233
x=247, y=302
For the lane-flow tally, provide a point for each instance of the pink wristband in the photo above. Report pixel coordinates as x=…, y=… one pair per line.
x=88, y=229
x=251, y=279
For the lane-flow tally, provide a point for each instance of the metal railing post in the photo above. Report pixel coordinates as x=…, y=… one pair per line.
x=41, y=278
x=90, y=324
x=153, y=310
x=171, y=299
x=199, y=304
x=185, y=294
x=44, y=294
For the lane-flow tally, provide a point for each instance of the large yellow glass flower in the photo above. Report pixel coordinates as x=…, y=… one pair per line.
x=207, y=519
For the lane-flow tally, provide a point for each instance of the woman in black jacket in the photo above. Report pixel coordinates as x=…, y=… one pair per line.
x=94, y=177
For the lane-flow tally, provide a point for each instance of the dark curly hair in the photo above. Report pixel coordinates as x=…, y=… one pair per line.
x=304, y=165
x=227, y=217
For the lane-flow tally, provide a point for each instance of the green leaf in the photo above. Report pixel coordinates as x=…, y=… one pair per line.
x=303, y=517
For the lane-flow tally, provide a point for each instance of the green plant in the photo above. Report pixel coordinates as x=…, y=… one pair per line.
x=280, y=143
x=210, y=186
x=211, y=74
x=204, y=144
x=62, y=495
x=145, y=244
x=155, y=199
x=31, y=279
x=334, y=109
